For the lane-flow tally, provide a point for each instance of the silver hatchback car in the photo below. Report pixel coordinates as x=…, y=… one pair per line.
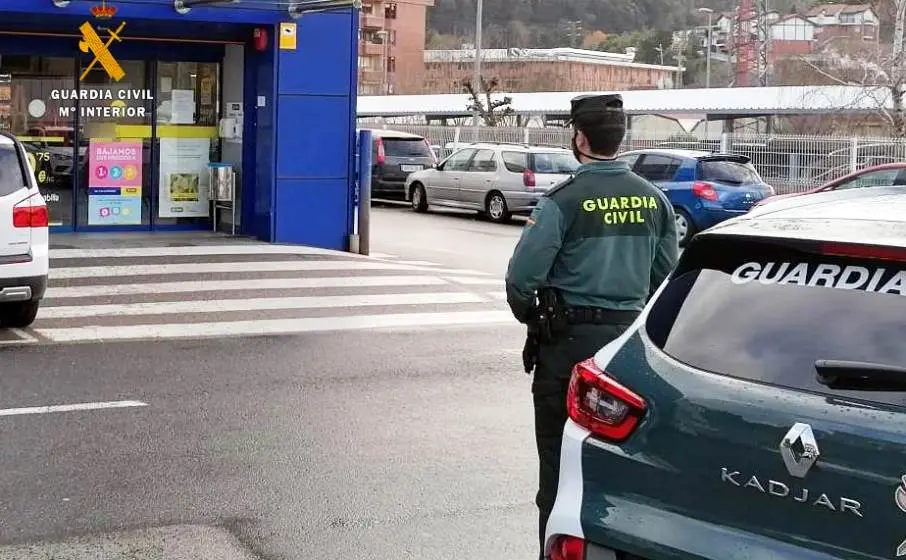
x=498, y=180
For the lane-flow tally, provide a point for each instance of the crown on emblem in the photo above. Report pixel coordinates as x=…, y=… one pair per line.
x=103, y=11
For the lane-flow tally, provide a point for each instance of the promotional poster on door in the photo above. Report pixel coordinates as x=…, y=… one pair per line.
x=184, y=177
x=115, y=183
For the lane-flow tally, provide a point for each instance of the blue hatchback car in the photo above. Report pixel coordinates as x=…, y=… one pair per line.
x=705, y=188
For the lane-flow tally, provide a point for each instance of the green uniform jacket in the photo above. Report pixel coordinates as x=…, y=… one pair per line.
x=605, y=238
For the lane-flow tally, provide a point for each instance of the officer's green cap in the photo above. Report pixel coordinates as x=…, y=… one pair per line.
x=592, y=108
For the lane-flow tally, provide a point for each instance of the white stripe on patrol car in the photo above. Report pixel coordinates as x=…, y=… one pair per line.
x=566, y=517
x=878, y=280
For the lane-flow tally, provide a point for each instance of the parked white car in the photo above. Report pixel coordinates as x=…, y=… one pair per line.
x=496, y=179
x=24, y=238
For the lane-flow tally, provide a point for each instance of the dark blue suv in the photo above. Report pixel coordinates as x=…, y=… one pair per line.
x=704, y=188
x=756, y=408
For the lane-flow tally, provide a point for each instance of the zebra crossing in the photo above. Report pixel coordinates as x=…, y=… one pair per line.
x=204, y=291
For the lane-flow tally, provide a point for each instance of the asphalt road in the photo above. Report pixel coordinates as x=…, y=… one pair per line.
x=365, y=444
x=454, y=238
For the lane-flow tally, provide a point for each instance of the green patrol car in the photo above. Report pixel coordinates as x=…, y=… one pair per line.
x=757, y=407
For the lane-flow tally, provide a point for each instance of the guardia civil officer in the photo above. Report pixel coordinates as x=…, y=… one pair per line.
x=603, y=241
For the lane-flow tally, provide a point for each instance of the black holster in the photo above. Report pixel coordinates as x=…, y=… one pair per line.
x=547, y=323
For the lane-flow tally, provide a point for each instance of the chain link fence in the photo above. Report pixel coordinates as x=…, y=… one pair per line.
x=789, y=163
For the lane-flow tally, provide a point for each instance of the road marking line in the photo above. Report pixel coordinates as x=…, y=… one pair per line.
x=70, y=407
x=256, y=304
x=274, y=327
x=215, y=286
x=418, y=263
x=24, y=338
x=496, y=295
x=196, y=250
x=474, y=281
x=204, y=268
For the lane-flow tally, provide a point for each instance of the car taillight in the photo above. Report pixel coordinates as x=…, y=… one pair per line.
x=568, y=548
x=704, y=190
x=27, y=216
x=381, y=156
x=528, y=178
x=601, y=405
x=862, y=251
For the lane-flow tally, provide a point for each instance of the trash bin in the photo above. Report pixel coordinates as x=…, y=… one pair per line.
x=222, y=182
x=223, y=186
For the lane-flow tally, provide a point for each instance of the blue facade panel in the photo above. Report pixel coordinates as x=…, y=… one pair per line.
x=316, y=124
x=307, y=215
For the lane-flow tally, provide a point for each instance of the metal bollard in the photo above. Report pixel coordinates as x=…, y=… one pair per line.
x=364, y=206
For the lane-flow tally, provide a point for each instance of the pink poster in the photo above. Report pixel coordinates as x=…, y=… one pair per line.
x=115, y=183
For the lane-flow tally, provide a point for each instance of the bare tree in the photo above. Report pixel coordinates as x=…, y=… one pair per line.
x=881, y=74
x=493, y=112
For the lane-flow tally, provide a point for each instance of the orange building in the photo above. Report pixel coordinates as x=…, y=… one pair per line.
x=392, y=46
x=530, y=70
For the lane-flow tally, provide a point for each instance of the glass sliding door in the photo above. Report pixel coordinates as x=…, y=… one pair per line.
x=31, y=108
x=116, y=179
x=188, y=112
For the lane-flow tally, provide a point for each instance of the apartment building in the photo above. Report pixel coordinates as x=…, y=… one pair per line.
x=392, y=46
x=530, y=70
x=797, y=33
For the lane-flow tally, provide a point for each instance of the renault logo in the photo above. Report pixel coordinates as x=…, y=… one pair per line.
x=799, y=462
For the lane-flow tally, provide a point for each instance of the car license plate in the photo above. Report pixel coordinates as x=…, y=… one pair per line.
x=411, y=167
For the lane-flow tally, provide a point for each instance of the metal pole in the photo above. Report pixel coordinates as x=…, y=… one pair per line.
x=364, y=217
x=708, y=56
x=476, y=81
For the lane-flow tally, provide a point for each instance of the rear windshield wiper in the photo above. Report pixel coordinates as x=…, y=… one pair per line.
x=860, y=376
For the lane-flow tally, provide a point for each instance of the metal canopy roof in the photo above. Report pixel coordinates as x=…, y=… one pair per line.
x=778, y=100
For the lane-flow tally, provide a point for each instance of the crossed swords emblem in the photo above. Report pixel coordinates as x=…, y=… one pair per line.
x=91, y=41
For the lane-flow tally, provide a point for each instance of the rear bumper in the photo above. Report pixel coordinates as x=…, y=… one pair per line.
x=22, y=289
x=522, y=202
x=24, y=277
x=387, y=187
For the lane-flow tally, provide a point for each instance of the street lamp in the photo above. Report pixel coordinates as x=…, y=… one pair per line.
x=476, y=80
x=708, y=11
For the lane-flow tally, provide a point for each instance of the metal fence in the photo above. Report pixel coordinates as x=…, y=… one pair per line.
x=789, y=163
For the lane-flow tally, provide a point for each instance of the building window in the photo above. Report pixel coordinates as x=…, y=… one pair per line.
x=391, y=64
x=390, y=11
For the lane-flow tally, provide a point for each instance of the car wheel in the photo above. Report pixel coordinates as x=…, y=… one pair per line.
x=496, y=209
x=20, y=314
x=419, y=198
x=684, y=227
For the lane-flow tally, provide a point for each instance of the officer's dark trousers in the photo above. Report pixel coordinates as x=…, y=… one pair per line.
x=549, y=387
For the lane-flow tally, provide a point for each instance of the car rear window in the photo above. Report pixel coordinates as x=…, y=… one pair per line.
x=729, y=172
x=12, y=178
x=766, y=311
x=406, y=147
x=554, y=162
x=515, y=162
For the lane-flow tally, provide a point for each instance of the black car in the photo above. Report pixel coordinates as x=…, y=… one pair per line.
x=394, y=155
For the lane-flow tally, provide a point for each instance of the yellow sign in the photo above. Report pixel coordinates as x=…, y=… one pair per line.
x=91, y=42
x=288, y=36
x=617, y=210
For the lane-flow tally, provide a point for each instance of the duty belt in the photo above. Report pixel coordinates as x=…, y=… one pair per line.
x=599, y=316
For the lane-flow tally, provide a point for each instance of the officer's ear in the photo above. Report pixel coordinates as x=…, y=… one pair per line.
x=582, y=142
